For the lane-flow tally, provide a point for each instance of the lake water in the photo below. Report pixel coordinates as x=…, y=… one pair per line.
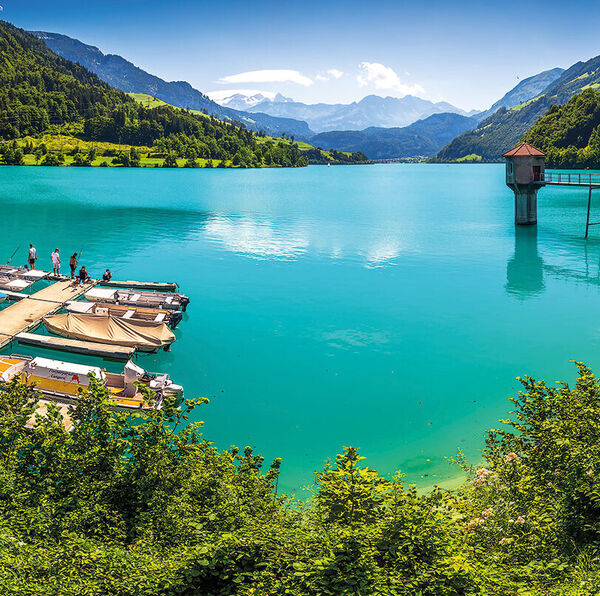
x=389, y=306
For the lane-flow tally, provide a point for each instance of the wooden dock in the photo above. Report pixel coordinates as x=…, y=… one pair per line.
x=76, y=346
x=29, y=312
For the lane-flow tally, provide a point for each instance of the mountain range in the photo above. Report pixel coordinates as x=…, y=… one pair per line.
x=503, y=129
x=422, y=138
x=527, y=89
x=122, y=74
x=380, y=127
x=370, y=111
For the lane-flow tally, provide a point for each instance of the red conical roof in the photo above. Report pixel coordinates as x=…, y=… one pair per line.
x=523, y=149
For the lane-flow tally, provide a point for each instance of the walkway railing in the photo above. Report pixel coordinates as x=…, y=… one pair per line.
x=575, y=178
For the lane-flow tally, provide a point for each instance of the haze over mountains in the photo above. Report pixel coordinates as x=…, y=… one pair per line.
x=372, y=110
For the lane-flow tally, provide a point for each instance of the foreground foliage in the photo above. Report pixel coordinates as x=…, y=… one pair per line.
x=147, y=506
x=569, y=134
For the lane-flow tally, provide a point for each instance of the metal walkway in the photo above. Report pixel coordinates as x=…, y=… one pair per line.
x=576, y=179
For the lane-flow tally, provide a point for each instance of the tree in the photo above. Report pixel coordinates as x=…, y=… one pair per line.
x=170, y=161
x=81, y=160
x=53, y=159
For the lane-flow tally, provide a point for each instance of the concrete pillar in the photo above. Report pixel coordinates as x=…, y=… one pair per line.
x=525, y=205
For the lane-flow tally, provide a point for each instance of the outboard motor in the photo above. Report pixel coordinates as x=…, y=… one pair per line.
x=184, y=302
x=132, y=373
x=175, y=318
x=166, y=387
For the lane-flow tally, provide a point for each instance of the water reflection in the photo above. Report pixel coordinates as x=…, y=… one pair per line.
x=525, y=269
x=258, y=239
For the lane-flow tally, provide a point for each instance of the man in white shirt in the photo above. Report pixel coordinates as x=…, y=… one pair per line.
x=55, y=262
x=32, y=256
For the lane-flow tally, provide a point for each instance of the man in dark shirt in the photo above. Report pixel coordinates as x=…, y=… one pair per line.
x=107, y=276
x=83, y=275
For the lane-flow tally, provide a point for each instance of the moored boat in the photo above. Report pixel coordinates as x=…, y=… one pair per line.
x=10, y=282
x=165, y=300
x=131, y=313
x=62, y=382
x=147, y=336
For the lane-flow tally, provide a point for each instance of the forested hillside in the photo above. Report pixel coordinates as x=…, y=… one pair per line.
x=569, y=134
x=43, y=94
x=502, y=130
x=122, y=74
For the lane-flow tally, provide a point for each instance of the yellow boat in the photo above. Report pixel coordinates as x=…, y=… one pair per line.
x=62, y=381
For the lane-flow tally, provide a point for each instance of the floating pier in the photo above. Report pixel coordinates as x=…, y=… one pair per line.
x=76, y=346
x=28, y=312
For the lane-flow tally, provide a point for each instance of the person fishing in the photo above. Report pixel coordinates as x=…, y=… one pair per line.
x=32, y=258
x=107, y=275
x=55, y=257
x=73, y=264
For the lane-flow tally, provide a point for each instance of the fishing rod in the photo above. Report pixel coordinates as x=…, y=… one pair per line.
x=12, y=256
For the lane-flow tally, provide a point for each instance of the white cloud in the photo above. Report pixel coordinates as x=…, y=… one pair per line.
x=380, y=76
x=268, y=76
x=332, y=73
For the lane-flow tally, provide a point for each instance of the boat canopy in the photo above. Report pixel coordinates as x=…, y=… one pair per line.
x=143, y=335
x=101, y=294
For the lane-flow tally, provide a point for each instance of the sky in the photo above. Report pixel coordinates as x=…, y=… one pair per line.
x=466, y=53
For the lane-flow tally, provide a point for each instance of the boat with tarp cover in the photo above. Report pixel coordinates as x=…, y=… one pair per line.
x=165, y=300
x=147, y=336
x=64, y=381
x=130, y=313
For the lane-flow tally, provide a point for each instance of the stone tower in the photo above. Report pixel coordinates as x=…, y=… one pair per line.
x=525, y=175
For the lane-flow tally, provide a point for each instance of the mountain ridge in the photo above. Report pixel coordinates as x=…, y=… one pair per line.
x=422, y=138
x=371, y=110
x=124, y=75
x=503, y=129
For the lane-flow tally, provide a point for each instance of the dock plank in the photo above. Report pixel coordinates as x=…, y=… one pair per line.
x=76, y=346
x=28, y=312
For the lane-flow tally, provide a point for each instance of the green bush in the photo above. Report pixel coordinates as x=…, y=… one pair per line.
x=146, y=505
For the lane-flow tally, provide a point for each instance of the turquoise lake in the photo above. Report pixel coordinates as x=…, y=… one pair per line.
x=388, y=307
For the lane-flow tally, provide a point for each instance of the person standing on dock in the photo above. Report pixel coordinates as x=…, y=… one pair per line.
x=73, y=264
x=55, y=256
x=32, y=256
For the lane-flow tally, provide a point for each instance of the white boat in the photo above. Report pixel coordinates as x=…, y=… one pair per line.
x=16, y=284
x=167, y=300
x=158, y=315
x=62, y=382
